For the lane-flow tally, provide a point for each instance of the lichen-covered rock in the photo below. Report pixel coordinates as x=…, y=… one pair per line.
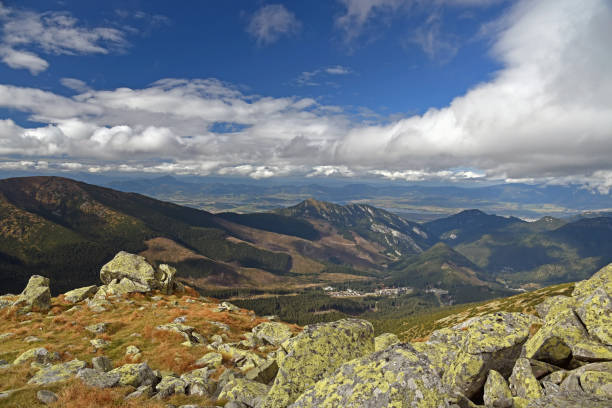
x=211, y=360
x=199, y=382
x=554, y=303
x=570, y=400
x=36, y=296
x=242, y=390
x=595, y=312
x=135, y=375
x=597, y=382
x=522, y=381
x=98, y=379
x=385, y=340
x=492, y=342
x=315, y=353
x=601, y=279
x=97, y=328
x=121, y=287
x=80, y=294
x=562, y=337
x=57, y=372
x=398, y=377
x=40, y=355
x=170, y=385
x=102, y=364
x=496, y=391
x=227, y=307
x=272, y=333
x=439, y=354
x=133, y=267
x=264, y=372
x=167, y=280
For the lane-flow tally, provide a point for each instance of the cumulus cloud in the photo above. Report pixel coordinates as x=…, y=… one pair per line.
x=271, y=22
x=23, y=32
x=75, y=84
x=546, y=115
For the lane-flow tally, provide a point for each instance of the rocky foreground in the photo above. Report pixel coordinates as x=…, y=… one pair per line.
x=144, y=340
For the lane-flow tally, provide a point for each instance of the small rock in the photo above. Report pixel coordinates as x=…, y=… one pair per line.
x=102, y=364
x=99, y=344
x=5, y=336
x=97, y=379
x=180, y=319
x=46, y=397
x=97, y=328
x=211, y=360
x=144, y=390
x=80, y=294
x=170, y=385
x=136, y=375
x=31, y=339
x=199, y=383
x=131, y=350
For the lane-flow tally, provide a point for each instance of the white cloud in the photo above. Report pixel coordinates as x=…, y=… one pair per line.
x=546, y=115
x=24, y=31
x=23, y=59
x=271, y=22
x=75, y=84
x=309, y=78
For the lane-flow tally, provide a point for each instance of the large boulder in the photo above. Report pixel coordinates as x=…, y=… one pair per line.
x=98, y=379
x=398, y=377
x=522, y=381
x=315, y=353
x=57, y=372
x=385, y=340
x=492, y=342
x=36, y=296
x=130, y=266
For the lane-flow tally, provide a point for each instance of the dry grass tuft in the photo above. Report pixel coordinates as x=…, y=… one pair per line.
x=78, y=395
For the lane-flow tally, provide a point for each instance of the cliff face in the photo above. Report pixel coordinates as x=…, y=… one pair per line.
x=143, y=340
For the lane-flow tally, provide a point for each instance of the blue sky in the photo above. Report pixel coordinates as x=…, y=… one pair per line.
x=413, y=90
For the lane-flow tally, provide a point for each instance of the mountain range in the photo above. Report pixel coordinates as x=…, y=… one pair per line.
x=65, y=229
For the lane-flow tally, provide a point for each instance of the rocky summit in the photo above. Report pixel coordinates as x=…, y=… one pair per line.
x=142, y=339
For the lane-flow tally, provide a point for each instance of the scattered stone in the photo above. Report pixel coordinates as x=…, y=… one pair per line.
x=227, y=307
x=80, y=294
x=46, y=397
x=102, y=364
x=31, y=339
x=3, y=363
x=5, y=336
x=57, y=372
x=385, y=340
x=40, y=355
x=211, y=360
x=36, y=296
x=496, y=391
x=99, y=344
x=180, y=319
x=97, y=328
x=6, y=394
x=132, y=350
x=199, y=382
x=135, y=375
x=315, y=353
x=95, y=378
x=170, y=385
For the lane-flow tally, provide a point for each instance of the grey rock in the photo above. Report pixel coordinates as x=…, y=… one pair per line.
x=170, y=385
x=80, y=294
x=97, y=379
x=97, y=328
x=46, y=397
x=102, y=364
x=143, y=390
x=136, y=375
x=57, y=372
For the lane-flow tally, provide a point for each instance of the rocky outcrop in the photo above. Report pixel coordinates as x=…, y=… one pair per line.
x=36, y=296
x=316, y=353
